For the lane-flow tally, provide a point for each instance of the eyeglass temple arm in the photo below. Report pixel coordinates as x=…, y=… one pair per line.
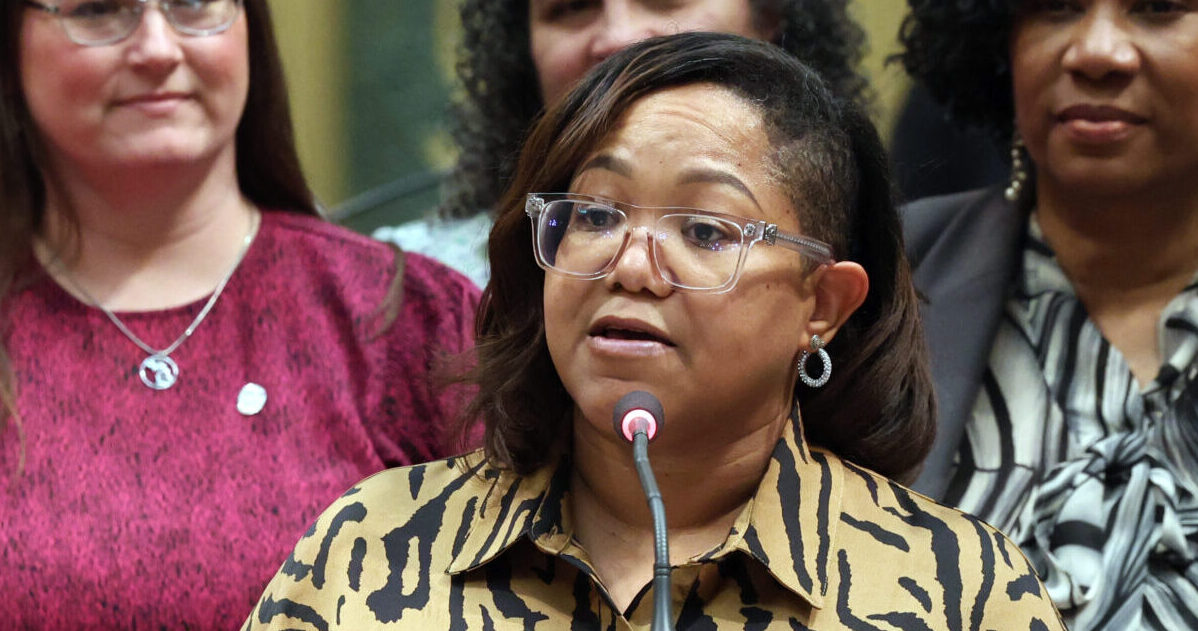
x=810, y=247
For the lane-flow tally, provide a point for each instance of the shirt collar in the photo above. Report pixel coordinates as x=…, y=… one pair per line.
x=789, y=525
x=1177, y=328
x=511, y=507
x=1041, y=273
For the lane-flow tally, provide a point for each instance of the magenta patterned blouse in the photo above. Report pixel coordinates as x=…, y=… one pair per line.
x=172, y=509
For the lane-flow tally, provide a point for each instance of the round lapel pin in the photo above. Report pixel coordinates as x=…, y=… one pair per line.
x=251, y=399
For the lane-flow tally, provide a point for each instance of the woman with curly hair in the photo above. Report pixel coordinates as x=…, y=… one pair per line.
x=1062, y=310
x=519, y=55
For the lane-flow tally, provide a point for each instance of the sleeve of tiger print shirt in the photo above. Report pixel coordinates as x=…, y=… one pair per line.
x=823, y=544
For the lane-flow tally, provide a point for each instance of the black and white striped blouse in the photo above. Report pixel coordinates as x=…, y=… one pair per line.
x=1093, y=475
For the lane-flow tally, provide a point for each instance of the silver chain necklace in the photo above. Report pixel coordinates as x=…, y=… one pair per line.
x=158, y=371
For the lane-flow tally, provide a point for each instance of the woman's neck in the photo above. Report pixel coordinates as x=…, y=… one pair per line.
x=146, y=239
x=703, y=490
x=1126, y=257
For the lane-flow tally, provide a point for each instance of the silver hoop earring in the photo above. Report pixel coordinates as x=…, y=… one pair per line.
x=1018, y=170
x=817, y=346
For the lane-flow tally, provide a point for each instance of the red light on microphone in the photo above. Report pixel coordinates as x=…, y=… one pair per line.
x=638, y=411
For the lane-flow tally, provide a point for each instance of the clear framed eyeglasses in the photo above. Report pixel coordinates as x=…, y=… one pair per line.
x=103, y=22
x=693, y=250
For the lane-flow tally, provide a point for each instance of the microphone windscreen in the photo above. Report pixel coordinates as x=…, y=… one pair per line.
x=634, y=406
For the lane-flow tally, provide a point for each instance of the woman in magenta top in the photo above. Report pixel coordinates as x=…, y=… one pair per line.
x=192, y=362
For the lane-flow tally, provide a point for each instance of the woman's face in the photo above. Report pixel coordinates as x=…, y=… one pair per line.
x=570, y=36
x=706, y=356
x=158, y=97
x=1106, y=92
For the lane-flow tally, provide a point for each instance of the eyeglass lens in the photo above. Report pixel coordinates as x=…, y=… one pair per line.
x=108, y=21
x=691, y=250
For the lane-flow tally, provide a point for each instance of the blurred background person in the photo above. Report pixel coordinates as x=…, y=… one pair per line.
x=193, y=361
x=519, y=55
x=710, y=219
x=1062, y=310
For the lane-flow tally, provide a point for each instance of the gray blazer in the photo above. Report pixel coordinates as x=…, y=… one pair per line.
x=965, y=249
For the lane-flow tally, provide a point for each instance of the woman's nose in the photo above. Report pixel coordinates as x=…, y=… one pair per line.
x=634, y=269
x=621, y=24
x=154, y=43
x=1102, y=46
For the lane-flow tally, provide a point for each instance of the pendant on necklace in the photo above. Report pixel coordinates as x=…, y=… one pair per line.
x=158, y=372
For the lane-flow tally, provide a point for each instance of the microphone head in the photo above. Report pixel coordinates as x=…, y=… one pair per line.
x=638, y=410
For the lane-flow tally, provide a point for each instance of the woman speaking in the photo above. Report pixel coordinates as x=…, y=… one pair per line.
x=716, y=229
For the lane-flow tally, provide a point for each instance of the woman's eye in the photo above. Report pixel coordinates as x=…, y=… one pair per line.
x=193, y=5
x=668, y=6
x=1160, y=7
x=94, y=9
x=707, y=234
x=561, y=9
x=597, y=217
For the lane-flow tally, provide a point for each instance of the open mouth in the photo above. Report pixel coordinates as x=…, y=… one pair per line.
x=630, y=333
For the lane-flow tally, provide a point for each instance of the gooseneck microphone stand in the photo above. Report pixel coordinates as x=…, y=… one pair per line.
x=637, y=417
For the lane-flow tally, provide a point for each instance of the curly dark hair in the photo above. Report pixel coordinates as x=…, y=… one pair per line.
x=877, y=409
x=960, y=51
x=501, y=95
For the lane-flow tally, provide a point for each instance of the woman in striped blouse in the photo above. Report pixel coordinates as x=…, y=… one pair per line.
x=1062, y=312
x=726, y=221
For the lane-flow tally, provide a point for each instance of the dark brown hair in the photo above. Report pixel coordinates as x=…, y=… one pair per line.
x=877, y=409
x=501, y=95
x=268, y=167
x=960, y=51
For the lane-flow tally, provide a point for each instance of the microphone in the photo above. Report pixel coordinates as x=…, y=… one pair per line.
x=637, y=417
x=635, y=411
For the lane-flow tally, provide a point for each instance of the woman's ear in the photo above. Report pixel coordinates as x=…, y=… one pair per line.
x=839, y=289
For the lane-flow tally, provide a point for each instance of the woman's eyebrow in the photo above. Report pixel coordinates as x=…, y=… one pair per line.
x=609, y=163
x=701, y=175
x=696, y=175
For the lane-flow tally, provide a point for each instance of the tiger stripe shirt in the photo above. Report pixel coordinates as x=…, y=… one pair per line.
x=822, y=544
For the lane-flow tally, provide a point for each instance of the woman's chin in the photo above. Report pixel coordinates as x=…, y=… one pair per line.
x=159, y=148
